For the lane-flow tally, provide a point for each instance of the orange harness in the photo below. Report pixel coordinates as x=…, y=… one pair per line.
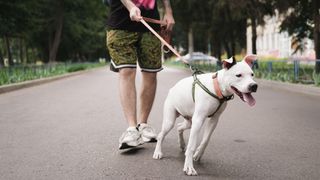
x=218, y=94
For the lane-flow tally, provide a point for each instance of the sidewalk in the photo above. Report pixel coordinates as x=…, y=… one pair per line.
x=297, y=88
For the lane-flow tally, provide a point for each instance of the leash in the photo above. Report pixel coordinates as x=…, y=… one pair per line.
x=143, y=21
x=160, y=38
x=195, y=71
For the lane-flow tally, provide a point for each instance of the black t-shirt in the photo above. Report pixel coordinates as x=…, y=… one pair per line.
x=119, y=17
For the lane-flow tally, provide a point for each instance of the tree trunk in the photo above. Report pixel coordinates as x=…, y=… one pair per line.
x=209, y=51
x=26, y=53
x=190, y=40
x=316, y=33
x=233, y=47
x=21, y=54
x=1, y=60
x=1, y=57
x=55, y=41
x=7, y=42
x=217, y=52
x=227, y=49
x=254, y=35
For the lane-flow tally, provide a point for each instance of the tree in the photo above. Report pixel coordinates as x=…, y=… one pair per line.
x=14, y=19
x=42, y=27
x=76, y=26
x=256, y=10
x=301, y=20
x=211, y=22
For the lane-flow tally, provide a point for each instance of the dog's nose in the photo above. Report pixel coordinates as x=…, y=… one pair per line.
x=253, y=87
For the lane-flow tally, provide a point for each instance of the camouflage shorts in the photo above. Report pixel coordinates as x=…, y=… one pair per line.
x=127, y=48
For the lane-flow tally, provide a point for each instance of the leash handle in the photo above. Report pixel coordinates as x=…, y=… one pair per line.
x=161, y=39
x=154, y=21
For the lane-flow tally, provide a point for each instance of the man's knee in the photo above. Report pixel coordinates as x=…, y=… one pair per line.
x=128, y=72
x=148, y=76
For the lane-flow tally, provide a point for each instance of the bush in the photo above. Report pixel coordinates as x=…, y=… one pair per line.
x=79, y=67
x=316, y=78
x=278, y=70
x=17, y=74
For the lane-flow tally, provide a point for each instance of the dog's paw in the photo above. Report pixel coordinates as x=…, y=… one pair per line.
x=157, y=155
x=183, y=148
x=181, y=126
x=182, y=144
x=190, y=171
x=198, y=154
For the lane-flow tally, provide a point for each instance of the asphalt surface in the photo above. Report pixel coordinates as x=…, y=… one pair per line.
x=69, y=129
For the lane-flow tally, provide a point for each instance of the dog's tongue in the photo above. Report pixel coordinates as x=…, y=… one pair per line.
x=249, y=99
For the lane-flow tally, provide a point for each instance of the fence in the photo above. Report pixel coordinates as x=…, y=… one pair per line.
x=296, y=71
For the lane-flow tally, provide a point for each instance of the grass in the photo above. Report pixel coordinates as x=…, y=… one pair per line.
x=17, y=74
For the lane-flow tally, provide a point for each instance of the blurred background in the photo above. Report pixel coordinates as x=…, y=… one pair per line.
x=43, y=37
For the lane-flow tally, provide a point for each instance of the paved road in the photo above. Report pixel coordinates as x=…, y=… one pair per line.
x=69, y=129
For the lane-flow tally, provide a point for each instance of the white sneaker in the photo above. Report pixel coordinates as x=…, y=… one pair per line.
x=148, y=134
x=130, y=138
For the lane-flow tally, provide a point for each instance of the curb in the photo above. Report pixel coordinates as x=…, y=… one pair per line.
x=297, y=88
x=36, y=82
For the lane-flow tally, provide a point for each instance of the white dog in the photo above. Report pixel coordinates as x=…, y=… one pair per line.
x=201, y=97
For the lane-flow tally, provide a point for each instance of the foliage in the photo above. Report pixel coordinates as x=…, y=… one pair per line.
x=17, y=74
x=63, y=30
x=221, y=24
x=36, y=24
x=278, y=70
x=316, y=78
x=301, y=20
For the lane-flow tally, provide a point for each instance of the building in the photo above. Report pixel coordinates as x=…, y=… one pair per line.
x=273, y=43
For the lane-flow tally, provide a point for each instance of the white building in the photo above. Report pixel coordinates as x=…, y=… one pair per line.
x=271, y=43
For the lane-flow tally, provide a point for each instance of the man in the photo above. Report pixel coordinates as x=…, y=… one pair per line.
x=129, y=43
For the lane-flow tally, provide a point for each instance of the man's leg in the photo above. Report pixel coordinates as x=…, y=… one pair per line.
x=128, y=95
x=147, y=94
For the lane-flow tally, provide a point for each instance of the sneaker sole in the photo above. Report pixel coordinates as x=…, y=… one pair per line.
x=126, y=146
x=148, y=140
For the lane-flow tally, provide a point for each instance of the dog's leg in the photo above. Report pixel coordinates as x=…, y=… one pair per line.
x=169, y=117
x=211, y=125
x=186, y=124
x=197, y=122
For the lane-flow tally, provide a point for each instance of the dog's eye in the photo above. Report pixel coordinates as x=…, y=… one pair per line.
x=239, y=75
x=252, y=74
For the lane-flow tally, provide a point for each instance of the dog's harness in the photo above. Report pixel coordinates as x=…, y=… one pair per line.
x=218, y=95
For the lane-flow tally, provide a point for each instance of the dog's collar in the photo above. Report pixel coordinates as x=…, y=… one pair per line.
x=216, y=86
x=218, y=90
x=217, y=95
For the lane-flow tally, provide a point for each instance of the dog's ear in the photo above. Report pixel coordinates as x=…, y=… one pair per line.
x=228, y=63
x=249, y=59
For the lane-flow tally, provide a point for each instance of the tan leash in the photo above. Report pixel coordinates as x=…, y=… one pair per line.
x=218, y=94
x=143, y=21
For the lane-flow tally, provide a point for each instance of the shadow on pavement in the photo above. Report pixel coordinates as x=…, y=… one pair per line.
x=132, y=151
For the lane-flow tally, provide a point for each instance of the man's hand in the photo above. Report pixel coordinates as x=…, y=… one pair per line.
x=134, y=11
x=168, y=18
x=135, y=14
